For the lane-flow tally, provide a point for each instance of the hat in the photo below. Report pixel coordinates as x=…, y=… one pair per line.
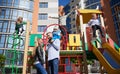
x=55, y=27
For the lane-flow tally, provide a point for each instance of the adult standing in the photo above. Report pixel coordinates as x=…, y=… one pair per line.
x=53, y=50
x=39, y=55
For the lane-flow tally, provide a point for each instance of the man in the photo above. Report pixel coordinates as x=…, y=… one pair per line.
x=53, y=49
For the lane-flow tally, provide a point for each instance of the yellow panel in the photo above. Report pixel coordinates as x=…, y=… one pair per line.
x=119, y=50
x=73, y=48
x=74, y=40
x=86, y=11
x=86, y=18
x=68, y=46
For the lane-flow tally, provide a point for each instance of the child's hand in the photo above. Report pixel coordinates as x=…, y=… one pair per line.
x=52, y=41
x=36, y=44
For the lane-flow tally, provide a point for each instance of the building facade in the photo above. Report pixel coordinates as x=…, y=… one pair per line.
x=10, y=10
x=71, y=19
x=47, y=8
x=115, y=8
x=92, y=4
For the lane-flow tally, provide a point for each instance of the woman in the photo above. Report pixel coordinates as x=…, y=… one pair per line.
x=39, y=55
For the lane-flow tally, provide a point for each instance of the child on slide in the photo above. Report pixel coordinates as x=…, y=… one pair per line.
x=95, y=24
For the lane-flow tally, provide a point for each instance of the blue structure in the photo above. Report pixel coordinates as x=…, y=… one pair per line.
x=115, y=7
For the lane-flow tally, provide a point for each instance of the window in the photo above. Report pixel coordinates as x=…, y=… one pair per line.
x=74, y=32
x=43, y=5
x=72, y=0
x=73, y=19
x=73, y=26
x=41, y=28
x=73, y=12
x=3, y=26
x=2, y=41
x=9, y=2
x=2, y=13
x=43, y=16
x=1, y=51
x=73, y=6
x=16, y=2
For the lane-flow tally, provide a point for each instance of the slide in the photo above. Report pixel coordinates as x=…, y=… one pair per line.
x=109, y=58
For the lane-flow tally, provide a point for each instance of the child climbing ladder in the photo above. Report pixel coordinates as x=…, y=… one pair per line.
x=19, y=26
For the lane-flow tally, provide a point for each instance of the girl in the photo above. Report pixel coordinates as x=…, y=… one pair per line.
x=19, y=25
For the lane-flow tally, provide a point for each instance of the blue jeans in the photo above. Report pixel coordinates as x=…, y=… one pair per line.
x=53, y=66
x=40, y=69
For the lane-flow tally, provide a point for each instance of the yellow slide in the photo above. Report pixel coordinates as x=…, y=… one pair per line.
x=115, y=54
x=110, y=58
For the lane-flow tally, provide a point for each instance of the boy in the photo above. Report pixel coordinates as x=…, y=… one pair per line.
x=94, y=22
x=56, y=33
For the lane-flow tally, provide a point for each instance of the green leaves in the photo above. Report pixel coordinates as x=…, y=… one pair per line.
x=2, y=60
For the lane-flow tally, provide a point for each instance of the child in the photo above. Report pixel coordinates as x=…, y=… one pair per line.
x=56, y=33
x=94, y=22
x=19, y=25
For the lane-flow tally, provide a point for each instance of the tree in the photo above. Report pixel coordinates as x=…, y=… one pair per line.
x=2, y=61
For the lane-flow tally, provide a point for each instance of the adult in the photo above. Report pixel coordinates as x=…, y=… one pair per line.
x=53, y=50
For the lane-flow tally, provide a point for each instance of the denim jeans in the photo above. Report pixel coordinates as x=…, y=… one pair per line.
x=40, y=69
x=53, y=66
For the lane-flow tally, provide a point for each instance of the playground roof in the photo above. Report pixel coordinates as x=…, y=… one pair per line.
x=86, y=13
x=89, y=11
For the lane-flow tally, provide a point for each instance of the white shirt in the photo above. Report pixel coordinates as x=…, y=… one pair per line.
x=93, y=22
x=52, y=52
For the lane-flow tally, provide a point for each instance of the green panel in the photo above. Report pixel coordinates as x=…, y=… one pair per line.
x=116, y=46
x=86, y=46
x=32, y=38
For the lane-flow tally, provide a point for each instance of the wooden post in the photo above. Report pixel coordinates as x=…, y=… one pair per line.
x=102, y=21
x=81, y=23
x=83, y=45
x=26, y=48
x=84, y=56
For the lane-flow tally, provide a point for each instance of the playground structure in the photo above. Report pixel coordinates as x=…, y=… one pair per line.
x=106, y=53
x=73, y=48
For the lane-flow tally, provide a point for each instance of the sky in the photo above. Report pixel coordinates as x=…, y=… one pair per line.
x=63, y=2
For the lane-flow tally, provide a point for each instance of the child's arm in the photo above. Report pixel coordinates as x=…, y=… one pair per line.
x=54, y=17
x=89, y=23
x=24, y=23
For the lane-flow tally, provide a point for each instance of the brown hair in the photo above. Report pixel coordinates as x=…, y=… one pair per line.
x=19, y=20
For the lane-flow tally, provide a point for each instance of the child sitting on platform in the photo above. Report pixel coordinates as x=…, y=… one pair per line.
x=19, y=26
x=95, y=24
